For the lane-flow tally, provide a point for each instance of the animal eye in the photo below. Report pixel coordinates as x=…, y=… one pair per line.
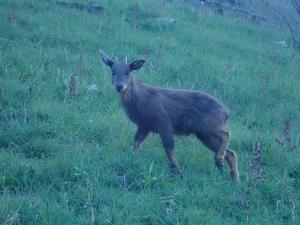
x=113, y=74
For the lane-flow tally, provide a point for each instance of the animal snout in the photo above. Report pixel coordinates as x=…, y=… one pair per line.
x=119, y=88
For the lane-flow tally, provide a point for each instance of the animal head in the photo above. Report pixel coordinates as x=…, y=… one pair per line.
x=121, y=71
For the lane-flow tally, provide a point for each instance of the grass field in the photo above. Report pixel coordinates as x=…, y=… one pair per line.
x=65, y=142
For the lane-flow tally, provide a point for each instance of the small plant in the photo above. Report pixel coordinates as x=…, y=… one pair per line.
x=256, y=165
x=78, y=173
x=72, y=87
x=1, y=96
x=12, y=16
x=9, y=182
x=287, y=139
x=149, y=178
x=170, y=204
x=121, y=178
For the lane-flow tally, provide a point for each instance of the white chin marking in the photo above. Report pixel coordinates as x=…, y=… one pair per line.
x=124, y=89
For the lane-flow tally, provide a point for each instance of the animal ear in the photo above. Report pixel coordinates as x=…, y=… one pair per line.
x=137, y=64
x=106, y=59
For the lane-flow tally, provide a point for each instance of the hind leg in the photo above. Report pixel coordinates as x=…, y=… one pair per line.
x=217, y=142
x=231, y=158
x=213, y=143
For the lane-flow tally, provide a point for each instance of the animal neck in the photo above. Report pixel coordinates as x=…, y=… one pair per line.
x=131, y=91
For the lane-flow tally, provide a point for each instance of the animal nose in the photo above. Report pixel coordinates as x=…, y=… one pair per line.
x=119, y=88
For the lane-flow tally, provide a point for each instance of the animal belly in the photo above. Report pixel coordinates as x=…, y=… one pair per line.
x=183, y=126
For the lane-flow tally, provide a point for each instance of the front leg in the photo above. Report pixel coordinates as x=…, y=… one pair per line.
x=166, y=135
x=139, y=137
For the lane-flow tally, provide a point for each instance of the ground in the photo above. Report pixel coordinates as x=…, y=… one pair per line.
x=65, y=142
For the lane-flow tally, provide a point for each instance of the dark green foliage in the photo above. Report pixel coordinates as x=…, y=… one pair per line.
x=65, y=158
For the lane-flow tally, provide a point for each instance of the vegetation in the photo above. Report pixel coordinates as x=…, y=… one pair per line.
x=65, y=143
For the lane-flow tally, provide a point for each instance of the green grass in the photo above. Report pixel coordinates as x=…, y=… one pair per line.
x=63, y=159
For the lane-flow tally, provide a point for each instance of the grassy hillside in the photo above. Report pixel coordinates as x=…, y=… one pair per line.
x=65, y=146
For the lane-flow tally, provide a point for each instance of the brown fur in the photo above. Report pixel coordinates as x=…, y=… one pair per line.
x=170, y=112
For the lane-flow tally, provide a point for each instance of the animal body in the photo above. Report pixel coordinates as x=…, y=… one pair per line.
x=170, y=112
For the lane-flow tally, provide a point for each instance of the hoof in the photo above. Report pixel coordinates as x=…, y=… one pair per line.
x=219, y=164
x=135, y=147
x=234, y=176
x=134, y=150
x=176, y=171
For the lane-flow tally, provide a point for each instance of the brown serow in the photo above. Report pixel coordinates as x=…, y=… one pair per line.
x=170, y=112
